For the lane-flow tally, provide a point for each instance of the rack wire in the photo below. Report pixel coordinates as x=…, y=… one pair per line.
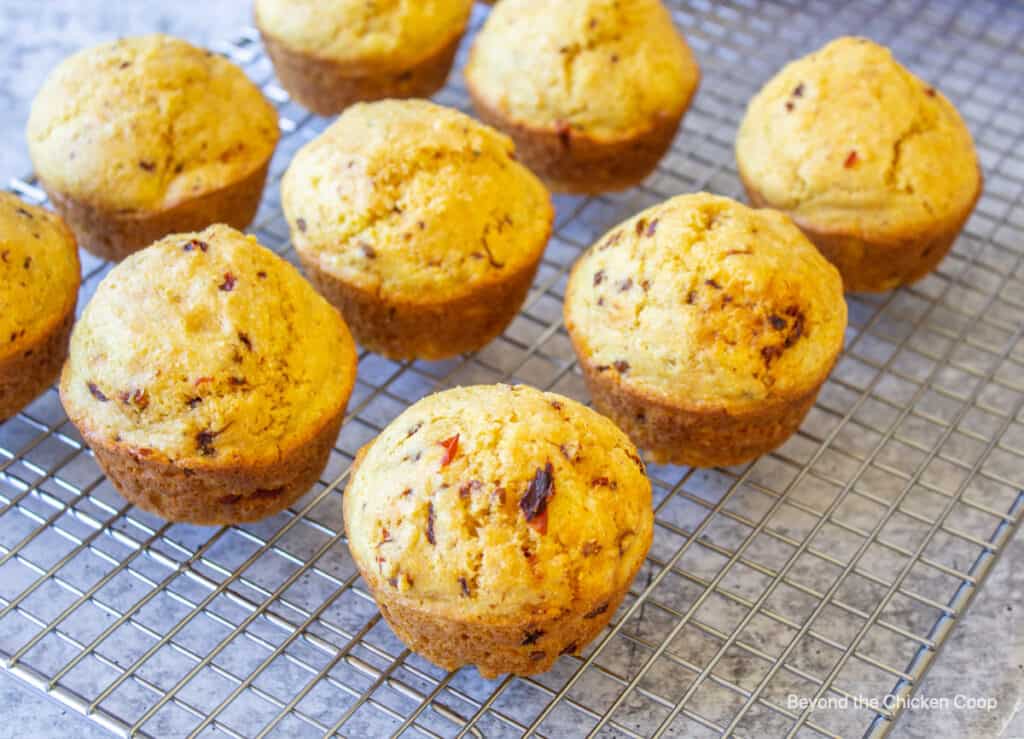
x=831, y=569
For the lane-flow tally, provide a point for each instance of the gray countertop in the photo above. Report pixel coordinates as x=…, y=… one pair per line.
x=985, y=655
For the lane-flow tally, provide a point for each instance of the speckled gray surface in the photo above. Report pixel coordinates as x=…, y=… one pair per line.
x=984, y=657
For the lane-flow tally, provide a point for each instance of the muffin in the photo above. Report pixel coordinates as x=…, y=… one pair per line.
x=209, y=378
x=148, y=136
x=39, y=277
x=329, y=55
x=498, y=526
x=592, y=91
x=419, y=224
x=705, y=328
x=875, y=165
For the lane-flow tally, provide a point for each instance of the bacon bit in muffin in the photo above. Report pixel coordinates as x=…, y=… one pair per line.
x=534, y=504
x=691, y=297
x=193, y=402
x=604, y=482
x=96, y=392
x=204, y=441
x=570, y=453
x=590, y=548
x=597, y=611
x=237, y=381
x=451, y=448
x=464, y=586
x=531, y=637
x=262, y=275
x=301, y=223
x=598, y=277
x=641, y=226
x=244, y=338
x=203, y=381
x=430, y=524
x=570, y=649
x=789, y=106
x=929, y=91
x=778, y=323
x=416, y=427
x=537, y=656
x=140, y=399
x=798, y=91
x=851, y=160
x=27, y=263
x=147, y=165
x=556, y=405
x=645, y=285
x=713, y=283
x=626, y=285
x=770, y=354
x=612, y=240
x=229, y=282
x=196, y=244
x=467, y=490
x=564, y=131
x=653, y=228
x=621, y=366
x=368, y=251
x=22, y=212
x=637, y=461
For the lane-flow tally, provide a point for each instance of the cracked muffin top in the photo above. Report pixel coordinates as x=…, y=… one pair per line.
x=604, y=67
x=207, y=349
x=848, y=138
x=377, y=36
x=496, y=500
x=145, y=123
x=408, y=198
x=38, y=272
x=703, y=302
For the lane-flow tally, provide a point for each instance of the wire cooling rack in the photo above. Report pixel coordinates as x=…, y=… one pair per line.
x=831, y=569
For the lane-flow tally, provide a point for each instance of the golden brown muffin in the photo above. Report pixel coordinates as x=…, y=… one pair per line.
x=498, y=526
x=592, y=91
x=876, y=166
x=39, y=278
x=148, y=136
x=419, y=224
x=705, y=329
x=209, y=378
x=329, y=55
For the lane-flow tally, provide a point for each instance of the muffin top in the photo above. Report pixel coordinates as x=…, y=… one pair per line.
x=497, y=501
x=207, y=349
x=848, y=138
x=366, y=36
x=604, y=67
x=38, y=272
x=705, y=303
x=145, y=123
x=408, y=198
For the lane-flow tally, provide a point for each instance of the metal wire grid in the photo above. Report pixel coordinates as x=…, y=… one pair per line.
x=834, y=567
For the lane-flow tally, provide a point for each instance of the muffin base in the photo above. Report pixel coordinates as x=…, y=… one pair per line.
x=327, y=87
x=420, y=329
x=210, y=495
x=31, y=369
x=113, y=236
x=698, y=438
x=877, y=265
x=574, y=163
x=493, y=648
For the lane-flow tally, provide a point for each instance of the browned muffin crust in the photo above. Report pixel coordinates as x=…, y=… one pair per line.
x=113, y=235
x=30, y=370
x=573, y=162
x=327, y=87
